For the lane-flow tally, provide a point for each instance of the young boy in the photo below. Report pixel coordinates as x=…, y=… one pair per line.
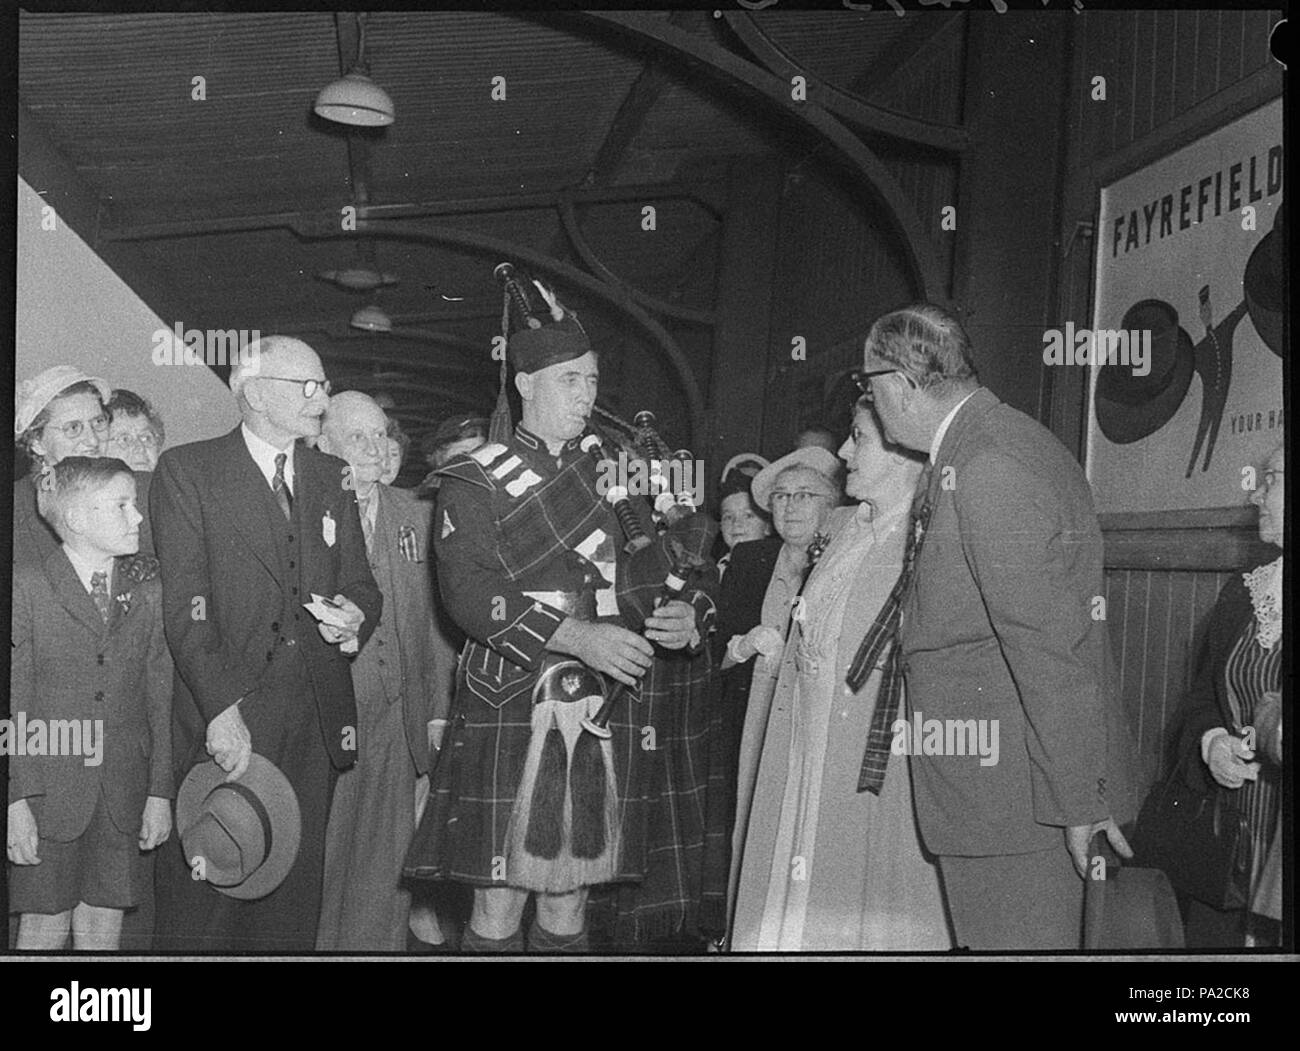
x=90, y=738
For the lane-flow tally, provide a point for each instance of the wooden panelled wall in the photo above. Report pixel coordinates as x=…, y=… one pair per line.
x=1157, y=623
x=835, y=271
x=1171, y=76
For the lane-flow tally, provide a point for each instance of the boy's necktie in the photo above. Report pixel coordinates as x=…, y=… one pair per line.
x=99, y=594
x=280, y=488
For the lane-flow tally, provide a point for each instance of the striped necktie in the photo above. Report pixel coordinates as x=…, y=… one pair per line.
x=99, y=594
x=281, y=489
x=871, y=778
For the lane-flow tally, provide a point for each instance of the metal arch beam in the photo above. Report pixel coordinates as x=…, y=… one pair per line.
x=481, y=244
x=919, y=254
x=861, y=114
x=573, y=230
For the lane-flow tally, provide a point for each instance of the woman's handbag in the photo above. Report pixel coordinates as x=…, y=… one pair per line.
x=1199, y=838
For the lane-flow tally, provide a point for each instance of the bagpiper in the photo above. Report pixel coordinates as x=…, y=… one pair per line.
x=528, y=549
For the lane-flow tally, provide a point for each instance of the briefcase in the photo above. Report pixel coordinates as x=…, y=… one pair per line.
x=1131, y=908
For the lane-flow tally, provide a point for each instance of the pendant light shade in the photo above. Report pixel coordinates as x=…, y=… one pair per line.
x=357, y=100
x=371, y=319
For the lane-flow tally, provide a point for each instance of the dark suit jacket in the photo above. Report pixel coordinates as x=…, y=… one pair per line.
x=68, y=664
x=228, y=596
x=409, y=608
x=1207, y=699
x=34, y=540
x=740, y=608
x=999, y=625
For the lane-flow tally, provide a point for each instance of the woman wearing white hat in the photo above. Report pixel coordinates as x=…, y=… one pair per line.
x=800, y=491
x=57, y=413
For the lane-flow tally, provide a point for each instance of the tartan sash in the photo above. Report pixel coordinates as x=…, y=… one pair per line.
x=883, y=631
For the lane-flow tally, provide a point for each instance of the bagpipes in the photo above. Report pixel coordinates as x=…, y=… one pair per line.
x=659, y=562
x=564, y=827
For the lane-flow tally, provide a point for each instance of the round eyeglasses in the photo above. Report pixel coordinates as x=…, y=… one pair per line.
x=309, y=387
x=798, y=498
x=74, y=429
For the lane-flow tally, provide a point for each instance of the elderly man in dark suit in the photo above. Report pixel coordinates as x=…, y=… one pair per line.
x=395, y=678
x=248, y=527
x=1000, y=634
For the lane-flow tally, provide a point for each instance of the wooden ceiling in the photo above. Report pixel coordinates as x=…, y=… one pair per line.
x=208, y=188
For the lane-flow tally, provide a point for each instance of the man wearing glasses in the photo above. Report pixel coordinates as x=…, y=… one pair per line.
x=998, y=627
x=248, y=527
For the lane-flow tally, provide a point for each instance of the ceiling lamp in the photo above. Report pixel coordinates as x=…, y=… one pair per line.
x=354, y=98
x=371, y=319
x=358, y=278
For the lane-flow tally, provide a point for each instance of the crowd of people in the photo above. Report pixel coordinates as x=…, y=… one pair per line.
x=507, y=710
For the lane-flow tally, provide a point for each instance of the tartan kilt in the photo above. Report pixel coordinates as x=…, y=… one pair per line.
x=683, y=829
x=464, y=831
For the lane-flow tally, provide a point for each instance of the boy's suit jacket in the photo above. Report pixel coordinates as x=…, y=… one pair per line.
x=229, y=594
x=1003, y=623
x=69, y=665
x=409, y=609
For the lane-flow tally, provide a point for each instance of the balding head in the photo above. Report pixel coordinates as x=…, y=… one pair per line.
x=355, y=429
x=270, y=383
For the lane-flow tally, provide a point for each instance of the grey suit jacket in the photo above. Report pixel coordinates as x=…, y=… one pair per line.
x=69, y=665
x=409, y=609
x=1002, y=623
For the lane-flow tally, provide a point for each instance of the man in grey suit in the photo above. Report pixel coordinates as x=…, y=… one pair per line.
x=372, y=817
x=1002, y=631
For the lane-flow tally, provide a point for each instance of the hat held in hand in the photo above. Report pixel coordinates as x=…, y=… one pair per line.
x=244, y=833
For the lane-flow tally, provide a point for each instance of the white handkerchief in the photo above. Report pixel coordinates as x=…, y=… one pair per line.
x=320, y=608
x=327, y=529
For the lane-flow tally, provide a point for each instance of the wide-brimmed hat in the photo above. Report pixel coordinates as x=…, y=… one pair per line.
x=31, y=396
x=1264, y=284
x=814, y=457
x=1130, y=408
x=246, y=831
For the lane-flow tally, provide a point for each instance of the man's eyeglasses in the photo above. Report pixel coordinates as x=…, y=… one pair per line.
x=309, y=387
x=74, y=429
x=147, y=440
x=862, y=378
x=798, y=498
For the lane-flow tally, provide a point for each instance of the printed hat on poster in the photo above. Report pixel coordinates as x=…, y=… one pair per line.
x=1130, y=408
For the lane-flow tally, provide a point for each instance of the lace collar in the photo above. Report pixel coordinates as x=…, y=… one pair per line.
x=1265, y=586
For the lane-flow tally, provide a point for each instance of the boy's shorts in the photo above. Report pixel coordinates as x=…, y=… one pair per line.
x=103, y=867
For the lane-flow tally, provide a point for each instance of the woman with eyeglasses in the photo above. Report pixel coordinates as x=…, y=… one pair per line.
x=135, y=431
x=800, y=491
x=823, y=867
x=1234, y=724
x=57, y=413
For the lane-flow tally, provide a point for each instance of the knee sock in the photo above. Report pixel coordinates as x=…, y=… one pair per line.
x=472, y=941
x=542, y=940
